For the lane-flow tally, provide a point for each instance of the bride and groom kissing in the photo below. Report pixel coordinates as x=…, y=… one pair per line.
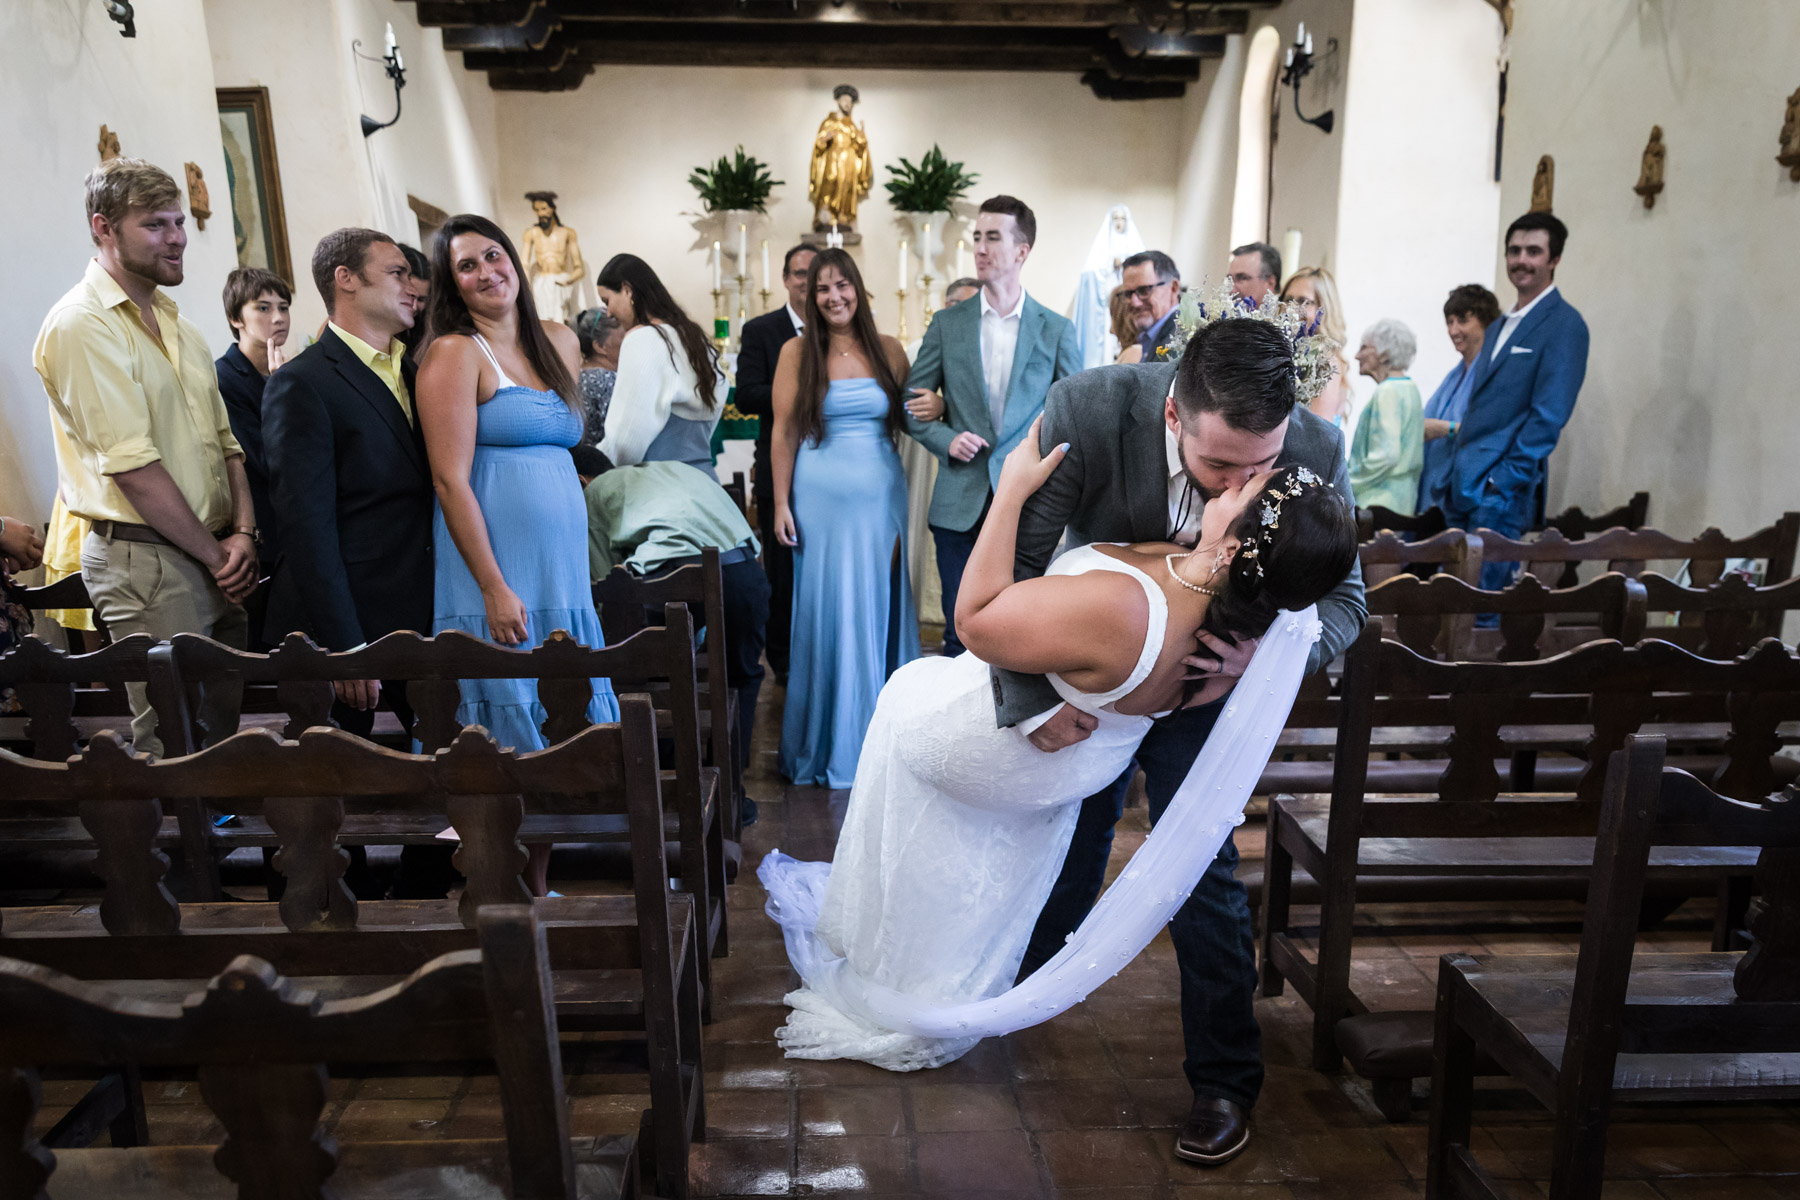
x=1213, y=564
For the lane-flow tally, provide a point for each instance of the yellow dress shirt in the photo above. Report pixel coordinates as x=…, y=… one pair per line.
x=121, y=399
x=385, y=365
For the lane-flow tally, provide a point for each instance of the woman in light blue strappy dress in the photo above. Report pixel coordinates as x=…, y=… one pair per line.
x=499, y=409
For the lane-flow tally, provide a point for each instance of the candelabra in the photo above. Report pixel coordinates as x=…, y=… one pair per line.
x=395, y=66
x=1298, y=65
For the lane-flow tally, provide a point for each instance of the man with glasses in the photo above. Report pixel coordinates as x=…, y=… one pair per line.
x=1151, y=286
x=1255, y=271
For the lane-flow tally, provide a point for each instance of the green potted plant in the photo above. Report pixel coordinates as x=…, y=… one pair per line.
x=923, y=194
x=741, y=183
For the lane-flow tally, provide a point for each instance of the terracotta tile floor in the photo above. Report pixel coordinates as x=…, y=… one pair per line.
x=1084, y=1106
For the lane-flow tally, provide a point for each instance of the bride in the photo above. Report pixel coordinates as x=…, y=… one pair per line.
x=956, y=828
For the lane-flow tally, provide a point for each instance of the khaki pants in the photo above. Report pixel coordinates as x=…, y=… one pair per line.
x=137, y=587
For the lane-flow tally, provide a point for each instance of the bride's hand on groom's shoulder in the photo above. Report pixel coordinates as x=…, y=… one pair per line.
x=1025, y=470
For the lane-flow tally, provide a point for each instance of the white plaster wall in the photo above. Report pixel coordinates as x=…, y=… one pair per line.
x=619, y=150
x=1418, y=208
x=1305, y=193
x=1690, y=382
x=442, y=149
x=64, y=71
x=1203, y=193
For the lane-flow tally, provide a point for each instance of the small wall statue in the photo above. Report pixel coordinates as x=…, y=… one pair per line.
x=552, y=255
x=1543, y=185
x=199, y=200
x=1650, y=174
x=109, y=144
x=1789, y=156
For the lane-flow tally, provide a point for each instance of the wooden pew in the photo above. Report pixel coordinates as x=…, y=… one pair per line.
x=261, y=1044
x=432, y=668
x=1574, y=523
x=1453, y=551
x=620, y=963
x=1722, y=620
x=1611, y=1024
x=1455, y=824
x=1376, y=519
x=624, y=601
x=1550, y=555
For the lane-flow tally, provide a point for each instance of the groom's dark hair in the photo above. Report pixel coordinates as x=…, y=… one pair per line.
x=1241, y=369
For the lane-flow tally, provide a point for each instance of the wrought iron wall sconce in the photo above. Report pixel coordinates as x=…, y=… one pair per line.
x=395, y=67
x=1300, y=63
x=122, y=12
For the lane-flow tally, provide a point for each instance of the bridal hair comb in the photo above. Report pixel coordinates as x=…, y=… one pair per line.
x=1272, y=500
x=1315, y=355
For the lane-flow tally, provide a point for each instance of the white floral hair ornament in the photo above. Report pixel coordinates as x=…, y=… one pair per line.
x=1304, y=479
x=1315, y=355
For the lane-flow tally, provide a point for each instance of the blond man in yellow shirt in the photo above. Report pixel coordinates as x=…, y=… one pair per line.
x=144, y=449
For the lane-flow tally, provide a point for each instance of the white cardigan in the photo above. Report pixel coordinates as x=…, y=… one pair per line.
x=655, y=382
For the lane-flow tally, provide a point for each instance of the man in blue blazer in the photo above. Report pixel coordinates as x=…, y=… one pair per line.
x=1526, y=380
x=986, y=366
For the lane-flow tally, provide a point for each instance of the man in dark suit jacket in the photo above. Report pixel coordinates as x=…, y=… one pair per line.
x=1147, y=445
x=352, y=489
x=347, y=469
x=762, y=340
x=1152, y=285
x=1527, y=377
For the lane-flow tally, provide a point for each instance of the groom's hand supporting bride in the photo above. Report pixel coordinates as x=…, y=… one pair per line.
x=1221, y=668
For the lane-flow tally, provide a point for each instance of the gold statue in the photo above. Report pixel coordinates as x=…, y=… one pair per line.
x=842, y=171
x=1789, y=156
x=1543, y=185
x=1650, y=175
x=199, y=199
x=553, y=261
x=109, y=144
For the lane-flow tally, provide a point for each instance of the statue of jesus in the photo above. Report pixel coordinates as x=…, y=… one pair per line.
x=842, y=171
x=552, y=261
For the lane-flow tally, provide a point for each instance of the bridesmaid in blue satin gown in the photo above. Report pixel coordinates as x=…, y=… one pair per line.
x=510, y=532
x=840, y=501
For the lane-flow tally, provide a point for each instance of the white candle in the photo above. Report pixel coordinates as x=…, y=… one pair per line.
x=744, y=250
x=925, y=246
x=1300, y=37
x=903, y=264
x=1309, y=45
x=1290, y=57
x=398, y=61
x=390, y=38
x=962, y=258
x=718, y=269
x=765, y=257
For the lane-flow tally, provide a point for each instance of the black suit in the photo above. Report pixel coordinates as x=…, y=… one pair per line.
x=760, y=349
x=241, y=385
x=352, y=492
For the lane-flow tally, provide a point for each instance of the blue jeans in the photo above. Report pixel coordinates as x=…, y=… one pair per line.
x=1505, y=515
x=1215, y=946
x=953, y=549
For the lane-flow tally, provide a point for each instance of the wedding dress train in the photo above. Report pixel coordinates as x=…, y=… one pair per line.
x=908, y=941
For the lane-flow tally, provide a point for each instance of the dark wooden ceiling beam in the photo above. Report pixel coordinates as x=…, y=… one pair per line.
x=1197, y=20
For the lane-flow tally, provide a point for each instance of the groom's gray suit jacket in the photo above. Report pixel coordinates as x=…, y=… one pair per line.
x=1113, y=486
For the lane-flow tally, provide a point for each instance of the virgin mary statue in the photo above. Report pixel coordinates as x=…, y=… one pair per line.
x=1117, y=240
x=842, y=171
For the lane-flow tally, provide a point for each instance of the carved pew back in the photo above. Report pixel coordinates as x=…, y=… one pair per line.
x=624, y=601
x=1724, y=619
x=1375, y=519
x=1574, y=523
x=262, y=1043
x=1551, y=555
x=1386, y=555
x=1433, y=617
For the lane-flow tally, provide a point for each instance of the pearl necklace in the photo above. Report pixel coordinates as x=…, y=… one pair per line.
x=1204, y=590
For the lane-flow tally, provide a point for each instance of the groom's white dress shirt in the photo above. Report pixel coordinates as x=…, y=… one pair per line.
x=1511, y=321
x=999, y=344
x=1185, y=501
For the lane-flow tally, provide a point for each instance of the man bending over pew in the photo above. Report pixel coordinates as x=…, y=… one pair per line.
x=656, y=517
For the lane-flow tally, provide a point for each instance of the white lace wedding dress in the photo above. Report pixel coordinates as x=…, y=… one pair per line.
x=908, y=941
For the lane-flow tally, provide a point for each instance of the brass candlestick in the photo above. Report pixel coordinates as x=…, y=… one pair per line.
x=721, y=326
x=925, y=299
x=743, y=295
x=765, y=299
x=902, y=294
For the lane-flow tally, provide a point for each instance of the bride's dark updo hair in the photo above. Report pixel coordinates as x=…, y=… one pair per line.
x=1289, y=565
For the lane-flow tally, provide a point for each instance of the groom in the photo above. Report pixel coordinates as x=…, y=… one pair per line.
x=1148, y=445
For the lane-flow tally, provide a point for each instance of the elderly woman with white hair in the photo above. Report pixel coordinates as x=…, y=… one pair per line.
x=1388, y=452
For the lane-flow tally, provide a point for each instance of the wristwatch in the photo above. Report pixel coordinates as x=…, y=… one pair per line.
x=249, y=531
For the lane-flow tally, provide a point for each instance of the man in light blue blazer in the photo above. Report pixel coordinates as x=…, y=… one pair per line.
x=1527, y=377
x=985, y=366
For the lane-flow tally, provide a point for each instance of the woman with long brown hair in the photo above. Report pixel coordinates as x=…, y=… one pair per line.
x=499, y=409
x=669, y=392
x=840, y=502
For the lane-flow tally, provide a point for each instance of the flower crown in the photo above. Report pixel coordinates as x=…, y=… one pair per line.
x=1272, y=500
x=1315, y=355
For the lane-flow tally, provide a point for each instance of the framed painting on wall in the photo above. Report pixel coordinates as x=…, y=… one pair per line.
x=254, y=176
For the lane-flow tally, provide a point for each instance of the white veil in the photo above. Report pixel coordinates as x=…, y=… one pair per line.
x=1155, y=883
x=1118, y=239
